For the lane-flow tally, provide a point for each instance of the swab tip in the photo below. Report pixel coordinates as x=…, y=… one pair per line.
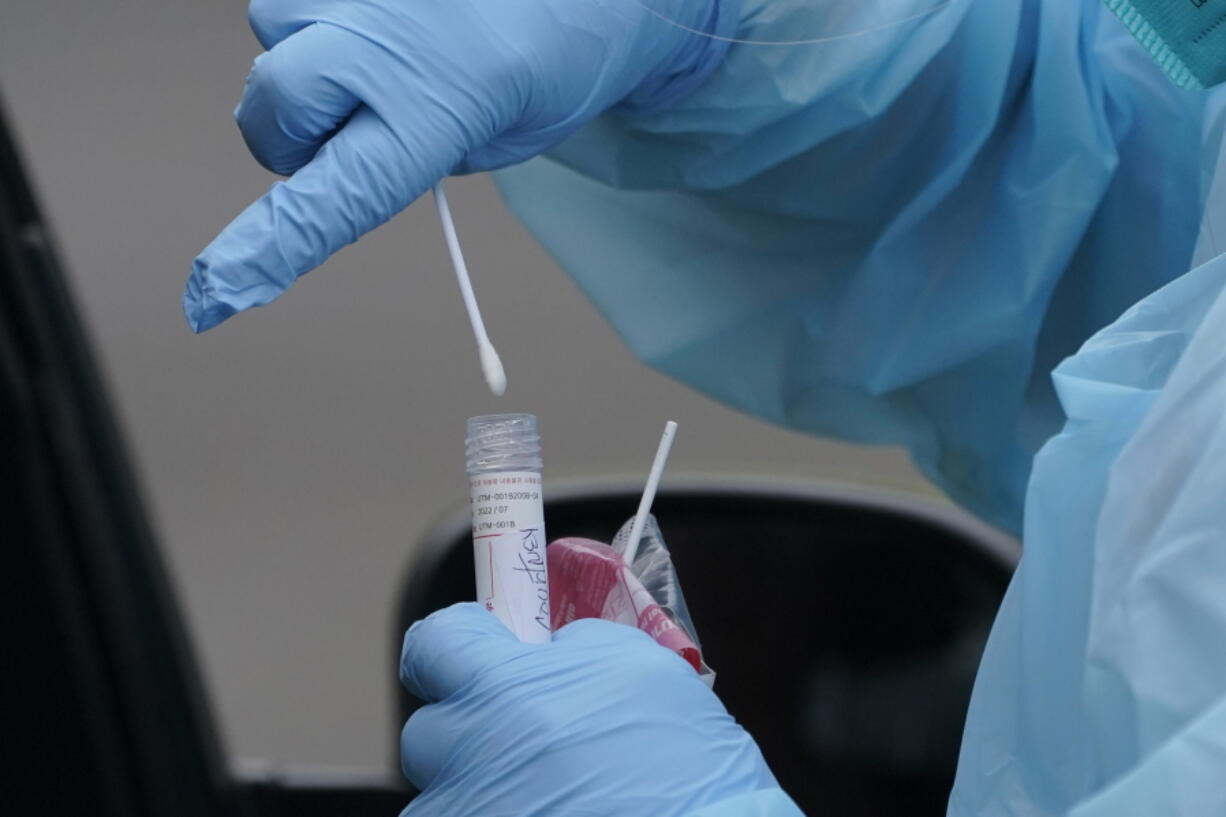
x=491, y=367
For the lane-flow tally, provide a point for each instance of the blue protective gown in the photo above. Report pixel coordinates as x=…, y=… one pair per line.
x=892, y=237
x=896, y=237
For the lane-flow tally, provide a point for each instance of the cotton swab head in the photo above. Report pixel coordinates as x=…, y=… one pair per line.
x=491, y=364
x=649, y=491
x=491, y=367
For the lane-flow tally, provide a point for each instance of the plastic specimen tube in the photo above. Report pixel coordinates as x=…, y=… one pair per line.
x=504, y=480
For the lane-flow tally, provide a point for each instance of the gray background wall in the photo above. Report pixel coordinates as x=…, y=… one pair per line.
x=292, y=457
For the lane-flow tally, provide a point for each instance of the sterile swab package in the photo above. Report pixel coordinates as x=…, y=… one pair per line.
x=590, y=579
x=631, y=581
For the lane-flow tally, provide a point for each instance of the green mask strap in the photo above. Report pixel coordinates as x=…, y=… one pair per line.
x=1186, y=37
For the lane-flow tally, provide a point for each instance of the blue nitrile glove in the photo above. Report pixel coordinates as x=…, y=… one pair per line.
x=368, y=103
x=601, y=721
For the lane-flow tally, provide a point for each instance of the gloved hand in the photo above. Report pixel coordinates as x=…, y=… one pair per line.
x=368, y=103
x=601, y=721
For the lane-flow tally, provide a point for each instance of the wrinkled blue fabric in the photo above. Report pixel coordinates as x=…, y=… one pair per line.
x=599, y=721
x=897, y=237
x=1102, y=691
x=368, y=103
x=892, y=237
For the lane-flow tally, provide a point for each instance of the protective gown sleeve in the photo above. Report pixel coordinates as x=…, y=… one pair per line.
x=1102, y=690
x=892, y=233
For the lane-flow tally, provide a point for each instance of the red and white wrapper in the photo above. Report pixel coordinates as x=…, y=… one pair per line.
x=589, y=579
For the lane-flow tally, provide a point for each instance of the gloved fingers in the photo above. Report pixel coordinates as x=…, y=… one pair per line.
x=274, y=20
x=621, y=649
x=360, y=178
x=425, y=744
x=446, y=650
x=598, y=632
x=299, y=93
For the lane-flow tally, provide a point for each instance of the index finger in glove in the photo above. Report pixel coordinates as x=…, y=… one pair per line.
x=362, y=176
x=446, y=650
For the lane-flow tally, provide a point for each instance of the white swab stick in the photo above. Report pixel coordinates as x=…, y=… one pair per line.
x=649, y=491
x=491, y=364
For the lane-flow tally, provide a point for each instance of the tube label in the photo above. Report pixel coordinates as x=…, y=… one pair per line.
x=509, y=551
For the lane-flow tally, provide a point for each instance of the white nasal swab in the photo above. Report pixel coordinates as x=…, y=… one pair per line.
x=649, y=491
x=491, y=364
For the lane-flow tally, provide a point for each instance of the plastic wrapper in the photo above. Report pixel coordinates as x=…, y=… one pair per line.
x=590, y=579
